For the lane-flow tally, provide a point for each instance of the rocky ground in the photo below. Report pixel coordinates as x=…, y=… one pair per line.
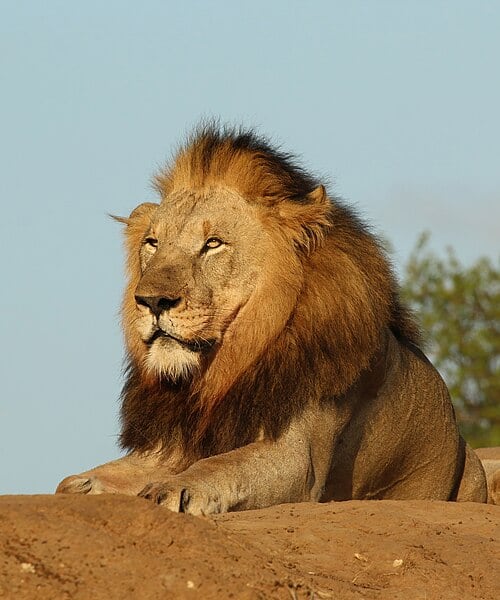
x=79, y=547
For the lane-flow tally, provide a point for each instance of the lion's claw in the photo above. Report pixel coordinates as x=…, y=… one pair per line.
x=182, y=498
x=160, y=493
x=152, y=492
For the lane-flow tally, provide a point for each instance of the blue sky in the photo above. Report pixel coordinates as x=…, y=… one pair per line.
x=395, y=103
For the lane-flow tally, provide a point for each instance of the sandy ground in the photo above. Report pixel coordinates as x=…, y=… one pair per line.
x=110, y=547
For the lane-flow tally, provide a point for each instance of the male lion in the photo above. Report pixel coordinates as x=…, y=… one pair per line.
x=269, y=357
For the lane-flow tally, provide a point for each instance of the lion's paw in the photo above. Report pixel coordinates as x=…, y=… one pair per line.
x=78, y=484
x=177, y=497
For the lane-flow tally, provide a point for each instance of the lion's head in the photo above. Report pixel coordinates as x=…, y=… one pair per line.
x=245, y=278
x=205, y=269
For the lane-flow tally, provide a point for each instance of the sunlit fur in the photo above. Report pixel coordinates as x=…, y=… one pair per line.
x=334, y=272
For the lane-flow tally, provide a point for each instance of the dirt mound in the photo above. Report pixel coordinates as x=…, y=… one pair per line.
x=110, y=547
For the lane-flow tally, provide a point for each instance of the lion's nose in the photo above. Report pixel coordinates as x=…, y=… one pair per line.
x=157, y=304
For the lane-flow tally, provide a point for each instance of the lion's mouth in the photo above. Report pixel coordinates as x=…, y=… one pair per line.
x=193, y=345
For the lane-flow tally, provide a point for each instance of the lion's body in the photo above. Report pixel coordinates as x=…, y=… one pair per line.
x=270, y=359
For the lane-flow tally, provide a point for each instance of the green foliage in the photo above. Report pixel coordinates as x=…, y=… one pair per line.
x=459, y=311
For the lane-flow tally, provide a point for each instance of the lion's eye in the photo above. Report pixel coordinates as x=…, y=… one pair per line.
x=212, y=243
x=151, y=242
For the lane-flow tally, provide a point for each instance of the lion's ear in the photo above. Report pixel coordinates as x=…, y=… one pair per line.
x=318, y=196
x=307, y=221
x=144, y=210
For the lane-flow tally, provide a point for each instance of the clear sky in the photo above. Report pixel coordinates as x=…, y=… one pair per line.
x=395, y=102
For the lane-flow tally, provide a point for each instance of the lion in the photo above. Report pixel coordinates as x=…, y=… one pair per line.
x=269, y=357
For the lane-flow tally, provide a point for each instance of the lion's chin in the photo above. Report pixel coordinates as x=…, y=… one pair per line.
x=168, y=359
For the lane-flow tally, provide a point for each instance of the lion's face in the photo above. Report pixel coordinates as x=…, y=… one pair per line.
x=203, y=257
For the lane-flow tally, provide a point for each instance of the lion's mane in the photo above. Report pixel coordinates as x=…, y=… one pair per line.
x=347, y=301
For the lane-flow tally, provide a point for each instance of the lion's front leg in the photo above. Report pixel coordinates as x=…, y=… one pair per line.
x=264, y=473
x=126, y=475
x=254, y=476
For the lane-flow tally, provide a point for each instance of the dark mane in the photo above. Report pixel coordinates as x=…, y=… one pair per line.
x=209, y=140
x=263, y=401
